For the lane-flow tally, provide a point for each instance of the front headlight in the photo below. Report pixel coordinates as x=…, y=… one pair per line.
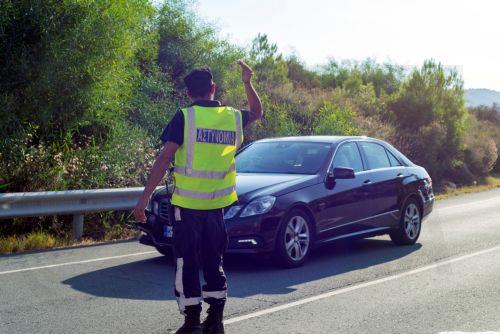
x=152, y=207
x=155, y=207
x=258, y=206
x=232, y=211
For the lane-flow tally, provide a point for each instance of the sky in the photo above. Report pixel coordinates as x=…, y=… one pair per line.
x=460, y=34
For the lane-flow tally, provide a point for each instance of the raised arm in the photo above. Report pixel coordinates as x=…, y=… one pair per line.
x=252, y=96
x=155, y=175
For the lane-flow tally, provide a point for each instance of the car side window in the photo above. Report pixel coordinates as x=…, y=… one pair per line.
x=376, y=155
x=394, y=162
x=347, y=155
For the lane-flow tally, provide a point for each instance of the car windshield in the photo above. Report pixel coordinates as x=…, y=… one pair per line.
x=284, y=157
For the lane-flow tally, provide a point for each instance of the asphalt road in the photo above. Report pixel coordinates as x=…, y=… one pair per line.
x=448, y=281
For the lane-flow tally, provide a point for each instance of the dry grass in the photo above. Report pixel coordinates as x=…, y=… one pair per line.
x=43, y=240
x=491, y=182
x=33, y=240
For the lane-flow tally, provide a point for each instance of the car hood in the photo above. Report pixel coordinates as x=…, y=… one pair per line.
x=251, y=185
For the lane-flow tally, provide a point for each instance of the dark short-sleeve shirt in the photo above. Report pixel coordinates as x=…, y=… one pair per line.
x=174, y=131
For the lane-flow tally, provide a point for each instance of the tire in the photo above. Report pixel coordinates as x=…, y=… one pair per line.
x=410, y=224
x=296, y=232
x=165, y=250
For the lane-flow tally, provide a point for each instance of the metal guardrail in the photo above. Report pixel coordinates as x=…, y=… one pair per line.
x=74, y=202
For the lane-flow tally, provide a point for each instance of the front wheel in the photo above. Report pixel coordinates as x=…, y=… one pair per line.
x=164, y=250
x=409, y=224
x=294, y=241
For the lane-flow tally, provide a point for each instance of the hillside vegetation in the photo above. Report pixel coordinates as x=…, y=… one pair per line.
x=87, y=86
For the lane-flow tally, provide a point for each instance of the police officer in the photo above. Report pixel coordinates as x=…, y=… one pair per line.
x=203, y=138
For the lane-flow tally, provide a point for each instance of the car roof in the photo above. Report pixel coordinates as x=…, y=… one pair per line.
x=317, y=139
x=337, y=140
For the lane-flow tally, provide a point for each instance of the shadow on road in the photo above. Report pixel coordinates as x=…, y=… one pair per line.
x=152, y=279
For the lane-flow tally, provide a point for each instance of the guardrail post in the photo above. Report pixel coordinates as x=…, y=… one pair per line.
x=77, y=225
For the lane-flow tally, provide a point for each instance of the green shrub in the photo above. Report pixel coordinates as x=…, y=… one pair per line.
x=429, y=109
x=481, y=142
x=334, y=121
x=68, y=72
x=481, y=155
x=276, y=122
x=484, y=121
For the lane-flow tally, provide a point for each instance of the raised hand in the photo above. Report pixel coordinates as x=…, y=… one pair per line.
x=246, y=72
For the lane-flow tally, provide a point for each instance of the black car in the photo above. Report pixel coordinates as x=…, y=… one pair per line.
x=299, y=192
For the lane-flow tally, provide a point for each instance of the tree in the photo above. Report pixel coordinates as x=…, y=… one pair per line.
x=184, y=40
x=68, y=70
x=300, y=75
x=67, y=64
x=269, y=64
x=430, y=103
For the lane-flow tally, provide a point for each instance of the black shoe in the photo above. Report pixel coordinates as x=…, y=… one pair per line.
x=213, y=324
x=191, y=323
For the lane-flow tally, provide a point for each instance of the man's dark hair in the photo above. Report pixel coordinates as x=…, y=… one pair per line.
x=198, y=82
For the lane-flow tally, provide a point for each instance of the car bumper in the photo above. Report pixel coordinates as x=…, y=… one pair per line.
x=152, y=232
x=250, y=235
x=428, y=206
x=256, y=234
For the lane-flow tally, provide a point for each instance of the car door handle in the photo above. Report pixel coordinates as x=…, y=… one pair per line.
x=367, y=182
x=400, y=175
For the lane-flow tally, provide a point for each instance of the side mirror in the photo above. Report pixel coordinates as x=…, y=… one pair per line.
x=343, y=173
x=330, y=180
x=338, y=173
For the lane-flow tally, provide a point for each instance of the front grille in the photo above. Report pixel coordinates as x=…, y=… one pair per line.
x=163, y=208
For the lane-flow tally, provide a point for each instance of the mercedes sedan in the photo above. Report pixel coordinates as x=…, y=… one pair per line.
x=296, y=193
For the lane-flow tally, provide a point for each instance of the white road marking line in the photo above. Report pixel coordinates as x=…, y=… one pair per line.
x=75, y=262
x=356, y=287
x=468, y=204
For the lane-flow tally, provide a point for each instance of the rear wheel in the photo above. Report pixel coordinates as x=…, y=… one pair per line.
x=294, y=241
x=409, y=224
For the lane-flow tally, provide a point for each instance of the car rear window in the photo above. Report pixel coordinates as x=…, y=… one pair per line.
x=376, y=155
x=394, y=161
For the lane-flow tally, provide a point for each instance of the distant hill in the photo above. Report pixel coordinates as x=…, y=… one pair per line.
x=480, y=96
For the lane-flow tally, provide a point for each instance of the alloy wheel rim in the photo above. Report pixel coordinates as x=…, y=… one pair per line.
x=412, y=221
x=297, y=238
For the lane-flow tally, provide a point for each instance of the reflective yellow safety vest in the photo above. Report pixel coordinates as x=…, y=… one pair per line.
x=204, y=171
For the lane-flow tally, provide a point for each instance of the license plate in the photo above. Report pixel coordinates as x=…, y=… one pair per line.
x=167, y=231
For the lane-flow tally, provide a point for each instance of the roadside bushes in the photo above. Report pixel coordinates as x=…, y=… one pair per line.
x=71, y=75
x=68, y=71
x=485, y=123
x=481, y=152
x=480, y=155
x=429, y=109
x=373, y=126
x=335, y=121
